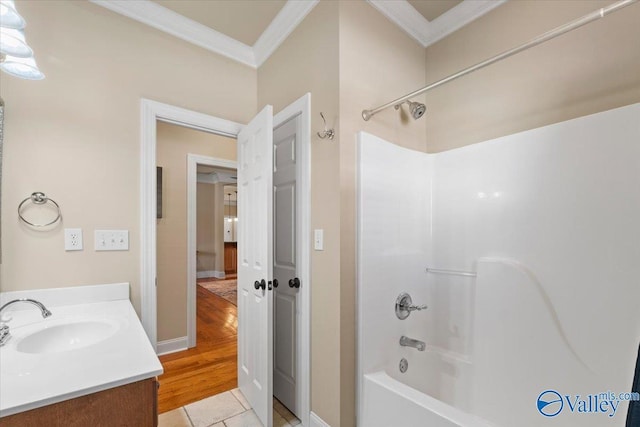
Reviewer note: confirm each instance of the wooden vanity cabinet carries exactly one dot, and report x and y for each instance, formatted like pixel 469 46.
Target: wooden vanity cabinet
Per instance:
pixel 134 404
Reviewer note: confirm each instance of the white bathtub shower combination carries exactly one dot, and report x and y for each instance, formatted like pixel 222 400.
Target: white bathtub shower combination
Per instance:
pixel 533 242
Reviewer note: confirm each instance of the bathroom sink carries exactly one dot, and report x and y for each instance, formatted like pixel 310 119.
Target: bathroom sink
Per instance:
pixel 67 336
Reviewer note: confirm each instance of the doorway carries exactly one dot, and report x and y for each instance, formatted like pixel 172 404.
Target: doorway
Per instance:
pixel 205 259
pixel 180 152
pixel 231 231
pixel 194 311
pixel 152 111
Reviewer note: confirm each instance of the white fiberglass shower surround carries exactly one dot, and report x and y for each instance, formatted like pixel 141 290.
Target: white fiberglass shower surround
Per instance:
pixel 526 251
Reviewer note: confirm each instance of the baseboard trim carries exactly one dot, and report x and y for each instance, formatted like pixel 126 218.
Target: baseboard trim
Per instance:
pixel 172 346
pixel 210 273
pixel 316 421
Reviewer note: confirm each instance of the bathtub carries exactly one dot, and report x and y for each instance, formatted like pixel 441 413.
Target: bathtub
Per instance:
pixel 510 262
pixel 443 375
pixel 389 403
pixel 435 391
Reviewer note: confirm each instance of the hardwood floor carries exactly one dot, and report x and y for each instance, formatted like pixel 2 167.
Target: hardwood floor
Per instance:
pixel 210 367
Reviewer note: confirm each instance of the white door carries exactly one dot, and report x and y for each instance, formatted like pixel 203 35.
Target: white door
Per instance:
pixel 284 265
pixel 255 264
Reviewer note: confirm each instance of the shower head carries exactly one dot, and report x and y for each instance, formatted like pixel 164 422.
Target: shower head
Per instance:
pixel 417 109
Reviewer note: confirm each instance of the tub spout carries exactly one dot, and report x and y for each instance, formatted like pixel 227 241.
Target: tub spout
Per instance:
pixel 410 342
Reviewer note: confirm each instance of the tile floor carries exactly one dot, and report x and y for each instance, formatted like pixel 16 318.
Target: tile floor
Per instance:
pixel 228 409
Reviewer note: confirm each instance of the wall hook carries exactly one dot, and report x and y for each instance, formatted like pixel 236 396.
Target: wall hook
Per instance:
pixel 327 133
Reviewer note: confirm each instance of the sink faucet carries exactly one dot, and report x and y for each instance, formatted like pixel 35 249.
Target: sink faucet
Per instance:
pixel 5 334
pixel 410 342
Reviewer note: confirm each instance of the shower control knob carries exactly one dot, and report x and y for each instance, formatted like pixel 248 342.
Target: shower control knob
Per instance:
pixel 294 283
pixel 404 306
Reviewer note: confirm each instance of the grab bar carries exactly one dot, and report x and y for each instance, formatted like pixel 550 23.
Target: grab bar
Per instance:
pixel 451 272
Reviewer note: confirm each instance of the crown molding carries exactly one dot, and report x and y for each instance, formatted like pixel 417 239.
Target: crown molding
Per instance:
pixel 293 12
pixel 168 21
pixel 405 16
pixel 459 16
pixel 428 32
pixel 291 15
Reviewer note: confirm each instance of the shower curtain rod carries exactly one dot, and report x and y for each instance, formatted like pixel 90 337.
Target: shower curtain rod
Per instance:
pixel 558 31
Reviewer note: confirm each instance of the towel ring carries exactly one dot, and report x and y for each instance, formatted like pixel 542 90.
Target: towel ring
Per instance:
pixel 39 198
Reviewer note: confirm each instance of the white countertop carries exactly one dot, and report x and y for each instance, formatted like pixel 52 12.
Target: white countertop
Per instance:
pixel 29 380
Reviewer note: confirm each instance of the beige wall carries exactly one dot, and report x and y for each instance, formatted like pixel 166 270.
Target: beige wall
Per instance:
pixel 219 220
pixel 173 144
pixel 378 62
pixel 211 216
pixel 206 227
pixel 213 250
pixel 308 62
pixel 210 228
pixel 76 134
pixel 591 69
pixel 349 57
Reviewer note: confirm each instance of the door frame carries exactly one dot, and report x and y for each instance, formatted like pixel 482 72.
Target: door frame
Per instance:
pixel 152 111
pixel 193 160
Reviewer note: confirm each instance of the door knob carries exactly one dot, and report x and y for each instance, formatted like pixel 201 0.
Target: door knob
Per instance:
pixel 261 284
pixel 294 283
pixel 275 283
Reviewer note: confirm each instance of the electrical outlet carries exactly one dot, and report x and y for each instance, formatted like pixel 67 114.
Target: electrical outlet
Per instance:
pixel 73 239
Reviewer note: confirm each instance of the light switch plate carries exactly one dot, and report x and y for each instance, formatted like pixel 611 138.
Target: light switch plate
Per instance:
pixel 318 240
pixel 111 240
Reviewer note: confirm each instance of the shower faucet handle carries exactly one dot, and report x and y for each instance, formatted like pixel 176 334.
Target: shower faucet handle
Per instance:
pixel 404 306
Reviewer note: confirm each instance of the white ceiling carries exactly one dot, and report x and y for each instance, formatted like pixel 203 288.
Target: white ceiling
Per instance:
pixel 249 31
